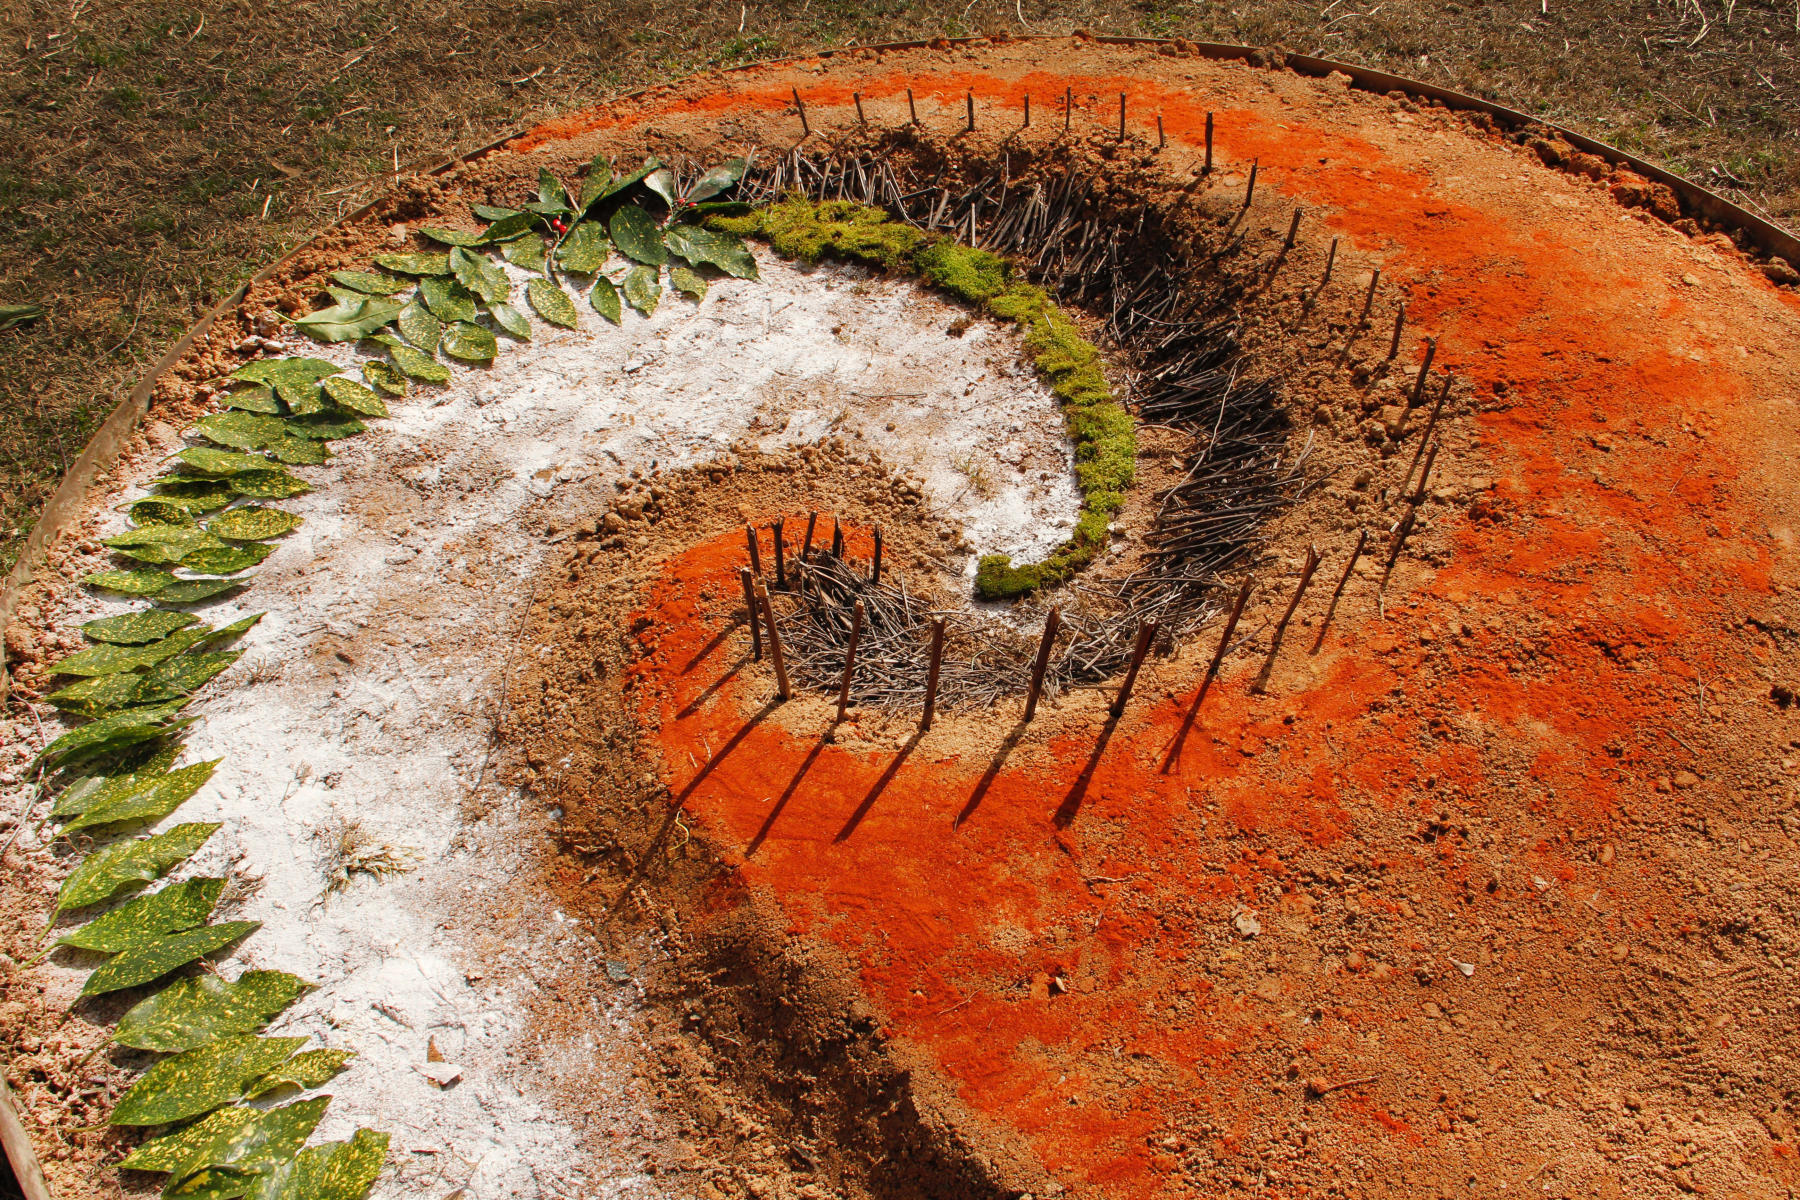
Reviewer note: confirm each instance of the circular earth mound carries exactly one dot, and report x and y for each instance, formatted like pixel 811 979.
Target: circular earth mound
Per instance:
pixel 1402 801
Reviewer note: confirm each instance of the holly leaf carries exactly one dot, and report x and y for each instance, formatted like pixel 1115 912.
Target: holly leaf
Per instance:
pixel 295 380
pixel 448 237
pixel 470 342
pixel 192 1012
pixel 721 178
pixel 305 1070
pixel 134 629
pixel 642 291
pixel 252 523
pixel 353 396
pixel 512 320
pixel 447 300
pixel 111 869
pixel 636 235
pixel 240 430
pixel 529 253
pixel 415 263
pixel 346 322
pixel 722 250
pixel 585 250
pixel 176 907
pixel 160 955
pixel 249 1141
pixel 605 299
pixel 153 800
pixel 371 282
pixel 684 278
pixel 199 1080
pixel 384 376
pixel 551 303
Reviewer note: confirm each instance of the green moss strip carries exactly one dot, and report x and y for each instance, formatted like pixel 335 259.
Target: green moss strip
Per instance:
pixel 1105 439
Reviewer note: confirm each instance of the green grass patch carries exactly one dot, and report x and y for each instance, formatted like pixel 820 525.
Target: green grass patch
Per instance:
pixel 1104 435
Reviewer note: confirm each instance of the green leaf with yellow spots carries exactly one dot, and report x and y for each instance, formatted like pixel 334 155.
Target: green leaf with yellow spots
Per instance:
pixel 352 396
pixel 199 1080
pixel 249 1141
pixel 159 955
pixel 152 801
pixel 110 869
pixel 134 629
pixel 192 1012
pixel 252 523
pixel 176 907
pixel 307 1070
pixel 551 303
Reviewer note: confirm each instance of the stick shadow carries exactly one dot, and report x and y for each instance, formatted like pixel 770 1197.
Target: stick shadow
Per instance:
pixel 887 777
pixel 787 794
pixel 711 689
pixel 1071 805
pixel 1007 745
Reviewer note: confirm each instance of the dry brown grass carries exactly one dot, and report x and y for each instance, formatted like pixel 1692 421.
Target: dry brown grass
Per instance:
pixel 153 154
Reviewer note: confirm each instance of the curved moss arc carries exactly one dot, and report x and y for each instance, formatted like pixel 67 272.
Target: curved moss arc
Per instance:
pixel 1103 432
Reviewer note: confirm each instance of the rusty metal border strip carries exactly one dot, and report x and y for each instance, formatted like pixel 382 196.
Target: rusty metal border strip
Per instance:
pixel 108 442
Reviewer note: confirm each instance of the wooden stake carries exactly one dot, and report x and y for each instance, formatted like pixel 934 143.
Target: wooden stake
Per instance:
pixel 875 569
pixel 1399 324
pixel 780 557
pixel 1425 437
pixel 1418 497
pixel 911 108
pixel 1369 300
pixel 1068 107
pixel 837 538
pixel 1293 232
pixel 860 119
pixel 805 129
pixel 755 551
pixel 1121 116
pixel 1362 540
pixel 1145 635
pixel 755 618
pixel 1306 574
pixel 856 620
pixel 971 99
pixel 1250 188
pixel 1330 258
pixel 781 675
pixel 1418 392
pixel 1207 168
pixel 1161 141
pixel 931 679
pixel 1038 666
pixel 1237 610
pixel 1028 110
pixel 806 550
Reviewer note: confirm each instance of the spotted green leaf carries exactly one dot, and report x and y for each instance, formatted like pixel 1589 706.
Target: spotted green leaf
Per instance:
pixel 192 1012
pixel 447 300
pixel 492 212
pixel 605 299
pixel 193 591
pixel 684 278
pixel 353 396
pixel 593 184
pixel 134 629
pixel 333 1171
pixel 347 321
pixel 110 659
pixel 152 511
pixel 158 956
pixel 642 291
pixel 111 869
pixel 256 398
pixel 203 460
pixel 514 322
pixel 227 634
pixel 415 263
pixel 194 495
pixel 450 237
pixel 325 427
pixel 623 183
pixel 153 800
pixel 184 673
pixel 722 250
pixel 372 283
pixel 471 343
pixel 635 234
pixel 551 303
pixel 585 249
pixel 176 907
pixel 227 560
pixel 419 365
pixel 308 1069
pixel 294 379
pixel 98 695
pixel 240 430
pixel 298 452
pixel 416 323
pixel 92 790
pixel 384 377
pixel 129 583
pixel 508 227
pixel 721 178
pixel 252 523
pixel 249 1141
pixel 268 485
pixel 112 735
pixel 528 253
pixel 480 276
pixel 162 543
pixel 199 1080
pixel 662 182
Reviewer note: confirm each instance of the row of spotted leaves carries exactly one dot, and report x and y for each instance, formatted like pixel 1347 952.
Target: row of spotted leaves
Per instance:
pixel 208 517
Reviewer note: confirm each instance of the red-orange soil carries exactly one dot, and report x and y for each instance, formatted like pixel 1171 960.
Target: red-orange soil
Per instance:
pixel 1493 893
